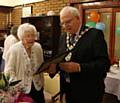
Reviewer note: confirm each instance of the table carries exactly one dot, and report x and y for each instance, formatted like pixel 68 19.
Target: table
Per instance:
pixel 112 84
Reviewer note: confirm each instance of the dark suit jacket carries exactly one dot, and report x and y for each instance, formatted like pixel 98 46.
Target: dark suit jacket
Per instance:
pixel 91 53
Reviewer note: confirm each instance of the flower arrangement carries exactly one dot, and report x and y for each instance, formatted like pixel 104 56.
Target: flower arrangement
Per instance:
pixel 10 93
pixel 7 90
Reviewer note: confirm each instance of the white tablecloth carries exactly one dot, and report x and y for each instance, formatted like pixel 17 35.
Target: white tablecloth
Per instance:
pixel 112 83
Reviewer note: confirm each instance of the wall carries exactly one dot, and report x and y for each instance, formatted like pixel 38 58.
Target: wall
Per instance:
pixel 38 8
pixel 4 17
pixel 4 21
pixel 12 15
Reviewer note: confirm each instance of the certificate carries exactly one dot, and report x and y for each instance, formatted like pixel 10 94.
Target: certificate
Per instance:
pixel 56 59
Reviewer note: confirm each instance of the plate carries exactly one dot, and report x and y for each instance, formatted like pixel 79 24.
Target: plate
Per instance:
pixel 114 70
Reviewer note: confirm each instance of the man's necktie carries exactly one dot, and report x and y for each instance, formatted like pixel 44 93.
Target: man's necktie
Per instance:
pixel 72 38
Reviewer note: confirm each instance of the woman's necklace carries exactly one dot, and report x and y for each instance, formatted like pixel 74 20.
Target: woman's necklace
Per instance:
pixel 70 45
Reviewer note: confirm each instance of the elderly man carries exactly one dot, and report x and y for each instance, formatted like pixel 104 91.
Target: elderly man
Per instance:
pixel 84 69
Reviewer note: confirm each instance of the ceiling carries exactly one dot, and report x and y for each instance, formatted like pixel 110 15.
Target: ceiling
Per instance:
pixel 16 2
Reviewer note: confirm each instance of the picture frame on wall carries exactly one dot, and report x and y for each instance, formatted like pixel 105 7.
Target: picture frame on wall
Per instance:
pixel 26 11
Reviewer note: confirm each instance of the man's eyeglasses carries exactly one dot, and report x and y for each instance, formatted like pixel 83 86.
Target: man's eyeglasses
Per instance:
pixel 68 22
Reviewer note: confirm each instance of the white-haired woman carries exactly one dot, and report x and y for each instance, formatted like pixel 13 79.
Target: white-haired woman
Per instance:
pixel 22 61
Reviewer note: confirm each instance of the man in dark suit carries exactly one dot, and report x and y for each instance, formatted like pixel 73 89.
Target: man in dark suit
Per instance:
pixel 84 69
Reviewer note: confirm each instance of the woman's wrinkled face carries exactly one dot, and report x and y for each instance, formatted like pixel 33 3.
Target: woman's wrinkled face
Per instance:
pixel 29 39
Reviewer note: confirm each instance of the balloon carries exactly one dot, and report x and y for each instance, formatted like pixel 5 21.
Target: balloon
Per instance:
pixel 118 30
pixel 91 24
pixel 100 26
pixel 94 16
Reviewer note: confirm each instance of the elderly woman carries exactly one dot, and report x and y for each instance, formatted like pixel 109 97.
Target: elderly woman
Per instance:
pixel 22 61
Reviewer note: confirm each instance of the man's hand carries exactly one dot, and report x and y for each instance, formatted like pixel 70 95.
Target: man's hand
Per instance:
pixel 70 67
